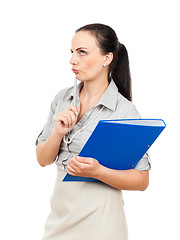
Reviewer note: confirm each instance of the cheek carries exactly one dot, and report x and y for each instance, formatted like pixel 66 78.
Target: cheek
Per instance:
pixel 89 63
pixel 93 64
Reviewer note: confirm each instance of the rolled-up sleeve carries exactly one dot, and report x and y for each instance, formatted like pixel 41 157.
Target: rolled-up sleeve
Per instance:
pixel 145 162
pixel 45 133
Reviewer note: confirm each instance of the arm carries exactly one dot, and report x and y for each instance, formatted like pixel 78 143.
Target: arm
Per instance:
pixel 124 179
pixel 121 179
pixel 47 151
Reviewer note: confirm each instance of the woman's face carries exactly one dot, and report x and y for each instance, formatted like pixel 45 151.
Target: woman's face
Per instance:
pixel 87 61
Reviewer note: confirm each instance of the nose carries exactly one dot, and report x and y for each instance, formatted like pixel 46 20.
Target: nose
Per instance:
pixel 73 60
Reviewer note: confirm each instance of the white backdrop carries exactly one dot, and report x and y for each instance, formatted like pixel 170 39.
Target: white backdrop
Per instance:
pixel 35 46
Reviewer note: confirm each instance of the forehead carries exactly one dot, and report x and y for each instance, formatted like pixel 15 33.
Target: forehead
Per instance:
pixel 84 39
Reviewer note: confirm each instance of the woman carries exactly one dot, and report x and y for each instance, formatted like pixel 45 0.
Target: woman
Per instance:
pixel 89 210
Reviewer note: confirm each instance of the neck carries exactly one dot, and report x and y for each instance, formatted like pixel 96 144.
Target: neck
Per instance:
pixel 93 90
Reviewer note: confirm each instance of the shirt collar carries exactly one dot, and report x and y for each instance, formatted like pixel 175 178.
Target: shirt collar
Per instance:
pixel 71 92
pixel 108 99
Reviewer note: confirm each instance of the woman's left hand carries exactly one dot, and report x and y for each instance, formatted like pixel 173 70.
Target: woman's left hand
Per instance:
pixel 83 166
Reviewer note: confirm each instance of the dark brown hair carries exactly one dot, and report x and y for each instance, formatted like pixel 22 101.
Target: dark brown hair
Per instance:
pixel 119 68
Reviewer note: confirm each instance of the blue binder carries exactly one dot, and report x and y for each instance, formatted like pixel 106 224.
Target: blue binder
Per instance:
pixel 120 144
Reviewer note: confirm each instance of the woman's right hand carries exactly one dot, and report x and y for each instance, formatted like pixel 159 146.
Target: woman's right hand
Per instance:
pixel 66 120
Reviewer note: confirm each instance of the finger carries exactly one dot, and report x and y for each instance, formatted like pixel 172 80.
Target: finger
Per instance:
pixel 70 170
pixel 84 160
pixel 73 117
pixel 73 165
pixel 67 117
pixel 78 165
pixel 74 109
pixel 63 119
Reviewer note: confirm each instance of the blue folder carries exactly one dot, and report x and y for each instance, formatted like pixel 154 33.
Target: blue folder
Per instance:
pixel 120 144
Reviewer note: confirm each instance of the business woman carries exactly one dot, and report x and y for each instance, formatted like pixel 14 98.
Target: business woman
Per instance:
pixel 90 210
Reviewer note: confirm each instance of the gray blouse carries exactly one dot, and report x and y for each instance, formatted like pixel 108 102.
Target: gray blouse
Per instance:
pixel 115 107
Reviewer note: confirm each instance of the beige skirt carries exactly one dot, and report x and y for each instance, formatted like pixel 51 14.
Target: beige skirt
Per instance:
pixel 85 211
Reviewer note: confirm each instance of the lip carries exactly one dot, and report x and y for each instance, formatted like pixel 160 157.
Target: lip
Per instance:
pixel 75 71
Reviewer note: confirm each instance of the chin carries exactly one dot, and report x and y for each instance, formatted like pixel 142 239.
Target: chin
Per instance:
pixel 81 78
pixel 84 78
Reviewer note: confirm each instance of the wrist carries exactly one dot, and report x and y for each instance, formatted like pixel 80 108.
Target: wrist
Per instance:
pixel 100 172
pixel 57 135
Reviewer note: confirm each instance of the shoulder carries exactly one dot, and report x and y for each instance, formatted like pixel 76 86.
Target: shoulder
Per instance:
pixel 61 98
pixel 62 94
pixel 126 107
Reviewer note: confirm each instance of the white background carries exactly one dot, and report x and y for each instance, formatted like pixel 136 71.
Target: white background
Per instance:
pixel 35 47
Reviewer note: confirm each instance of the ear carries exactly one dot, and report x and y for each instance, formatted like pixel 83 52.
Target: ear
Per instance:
pixel 108 59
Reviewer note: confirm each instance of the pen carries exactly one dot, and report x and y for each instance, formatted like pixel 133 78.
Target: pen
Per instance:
pixel 75 86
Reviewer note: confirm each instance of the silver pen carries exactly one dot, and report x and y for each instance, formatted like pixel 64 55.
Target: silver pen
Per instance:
pixel 75 87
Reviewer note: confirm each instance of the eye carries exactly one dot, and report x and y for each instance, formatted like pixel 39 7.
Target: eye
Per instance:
pixel 82 53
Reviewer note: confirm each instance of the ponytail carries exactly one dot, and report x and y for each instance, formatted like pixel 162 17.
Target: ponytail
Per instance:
pixel 119 71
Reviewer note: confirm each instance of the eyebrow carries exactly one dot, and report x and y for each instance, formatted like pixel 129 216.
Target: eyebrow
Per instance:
pixel 79 48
